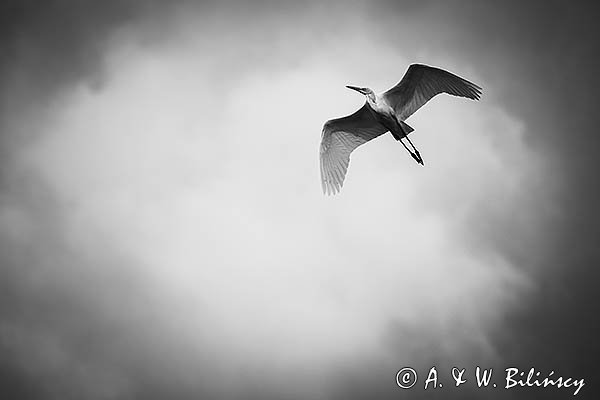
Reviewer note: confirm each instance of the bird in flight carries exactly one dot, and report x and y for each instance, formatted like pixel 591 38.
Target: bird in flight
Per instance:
pixel 382 113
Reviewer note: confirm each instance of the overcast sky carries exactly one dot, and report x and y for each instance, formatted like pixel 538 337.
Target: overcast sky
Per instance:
pixel 163 233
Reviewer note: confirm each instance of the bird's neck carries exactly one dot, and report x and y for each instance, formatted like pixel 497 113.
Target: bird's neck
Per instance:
pixel 379 104
pixel 371 99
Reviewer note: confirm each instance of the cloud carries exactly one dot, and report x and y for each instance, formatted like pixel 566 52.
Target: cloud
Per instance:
pixel 164 230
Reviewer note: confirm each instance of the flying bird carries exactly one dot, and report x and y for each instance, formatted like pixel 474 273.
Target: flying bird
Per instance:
pixel 382 113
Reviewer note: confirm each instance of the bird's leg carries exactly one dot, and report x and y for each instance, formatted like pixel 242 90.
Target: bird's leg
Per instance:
pixel 406 129
pixel 415 156
pixel 420 159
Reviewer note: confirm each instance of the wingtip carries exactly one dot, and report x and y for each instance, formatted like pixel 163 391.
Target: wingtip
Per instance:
pixel 329 188
pixel 478 90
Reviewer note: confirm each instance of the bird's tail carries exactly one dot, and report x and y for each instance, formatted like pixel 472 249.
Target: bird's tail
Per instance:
pixel 405 129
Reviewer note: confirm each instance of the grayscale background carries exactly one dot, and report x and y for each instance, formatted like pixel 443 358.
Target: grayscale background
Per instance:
pixel 162 228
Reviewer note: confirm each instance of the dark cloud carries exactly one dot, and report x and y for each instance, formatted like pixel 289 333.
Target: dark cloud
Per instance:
pixel 540 59
pixel 46 47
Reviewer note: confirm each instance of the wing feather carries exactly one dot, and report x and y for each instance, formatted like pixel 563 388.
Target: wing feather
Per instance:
pixel 421 83
pixel 339 138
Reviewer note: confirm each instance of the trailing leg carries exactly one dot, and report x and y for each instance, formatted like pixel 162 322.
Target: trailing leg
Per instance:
pixel 416 157
pixel 420 160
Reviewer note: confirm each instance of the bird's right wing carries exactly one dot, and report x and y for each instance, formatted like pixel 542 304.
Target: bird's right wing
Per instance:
pixel 421 83
pixel 339 138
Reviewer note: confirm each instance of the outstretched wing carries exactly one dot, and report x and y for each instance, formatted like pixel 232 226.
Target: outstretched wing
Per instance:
pixel 421 83
pixel 339 138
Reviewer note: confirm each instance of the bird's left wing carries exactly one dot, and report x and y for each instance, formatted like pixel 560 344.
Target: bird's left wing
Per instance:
pixel 421 83
pixel 339 138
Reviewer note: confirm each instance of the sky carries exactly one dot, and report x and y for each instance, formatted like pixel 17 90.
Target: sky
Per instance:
pixel 163 233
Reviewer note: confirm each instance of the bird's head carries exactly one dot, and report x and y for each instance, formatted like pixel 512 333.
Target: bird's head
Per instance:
pixel 363 90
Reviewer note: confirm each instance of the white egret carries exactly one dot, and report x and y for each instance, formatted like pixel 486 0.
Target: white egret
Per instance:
pixel 382 113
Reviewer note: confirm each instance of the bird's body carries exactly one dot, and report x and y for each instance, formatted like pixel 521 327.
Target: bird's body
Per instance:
pixel 381 109
pixel 382 113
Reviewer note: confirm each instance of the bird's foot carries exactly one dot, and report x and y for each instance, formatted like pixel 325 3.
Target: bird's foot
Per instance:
pixel 420 159
pixel 417 158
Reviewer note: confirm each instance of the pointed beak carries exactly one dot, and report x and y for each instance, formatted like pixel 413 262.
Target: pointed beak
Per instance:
pixel 359 90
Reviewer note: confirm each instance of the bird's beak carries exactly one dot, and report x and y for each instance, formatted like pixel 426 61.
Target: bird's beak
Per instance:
pixel 359 90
